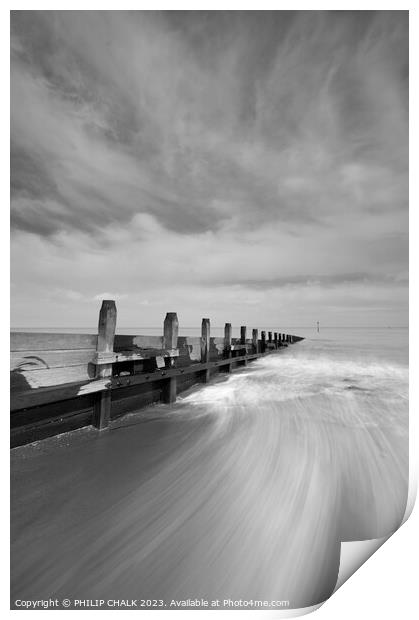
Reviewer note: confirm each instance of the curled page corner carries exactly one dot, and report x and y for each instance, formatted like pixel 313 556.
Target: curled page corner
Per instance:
pixel 354 554
pixel 270 614
pixel 413 490
pixel 294 613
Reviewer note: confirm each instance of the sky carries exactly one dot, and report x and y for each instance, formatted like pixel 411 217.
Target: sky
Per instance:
pixel 250 167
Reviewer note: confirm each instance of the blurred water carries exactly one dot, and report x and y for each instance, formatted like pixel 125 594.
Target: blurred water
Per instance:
pixel 244 489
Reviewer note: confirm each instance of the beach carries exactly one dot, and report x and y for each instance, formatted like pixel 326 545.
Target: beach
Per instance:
pixel 244 489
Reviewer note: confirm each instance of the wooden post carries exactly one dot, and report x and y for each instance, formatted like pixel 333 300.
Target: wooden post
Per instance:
pixel 255 340
pixel 276 339
pixel 243 334
pixel 269 337
pixel 243 341
pixel 170 331
pixel 227 344
pixel 205 347
pixel 105 339
pixel 170 336
pixel 263 338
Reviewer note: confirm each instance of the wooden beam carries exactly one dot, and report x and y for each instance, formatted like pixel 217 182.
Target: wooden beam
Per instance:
pixel 205 347
pixel 169 390
pixel 263 343
pixel 163 375
pixel 243 334
pixel 105 341
pixel 56 393
pixel 170 331
pixel 227 336
pixel 255 340
pixel 37 360
pixel 170 336
pixel 243 339
pixel 242 347
pixel 227 344
pixel 131 356
pixel 124 342
pixel 27 341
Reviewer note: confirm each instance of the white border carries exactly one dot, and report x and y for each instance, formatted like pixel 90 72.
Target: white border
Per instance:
pixel 385 587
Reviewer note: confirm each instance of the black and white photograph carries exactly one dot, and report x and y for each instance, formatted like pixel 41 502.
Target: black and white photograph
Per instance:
pixel 209 305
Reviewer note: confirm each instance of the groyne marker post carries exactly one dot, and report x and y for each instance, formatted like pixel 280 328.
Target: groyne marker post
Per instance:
pixel 255 340
pixel 205 348
pixel 276 339
pixel 227 344
pixel 104 348
pixel 270 337
pixel 170 336
pixel 263 343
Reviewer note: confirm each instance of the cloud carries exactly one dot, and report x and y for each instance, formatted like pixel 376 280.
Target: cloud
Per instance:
pixel 168 150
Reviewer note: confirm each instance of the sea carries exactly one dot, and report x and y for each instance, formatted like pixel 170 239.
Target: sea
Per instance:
pixel 243 490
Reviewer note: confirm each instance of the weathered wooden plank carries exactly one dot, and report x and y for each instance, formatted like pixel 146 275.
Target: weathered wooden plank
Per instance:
pixel 56 393
pixel 242 347
pixel 50 427
pixel 218 341
pixel 194 345
pixel 28 341
pixel 131 356
pixel 163 375
pixel 37 360
pixel 125 343
pixel 45 412
pixel 238 341
pixel 22 380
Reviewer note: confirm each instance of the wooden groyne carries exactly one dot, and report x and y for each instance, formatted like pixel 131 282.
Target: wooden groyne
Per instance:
pixel 60 382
